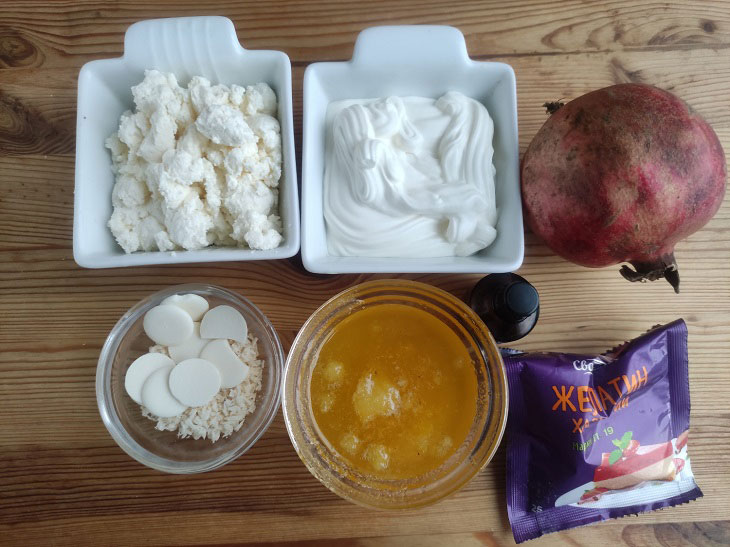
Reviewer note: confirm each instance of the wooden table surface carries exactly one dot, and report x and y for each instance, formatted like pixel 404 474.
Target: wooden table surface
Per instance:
pixel 63 480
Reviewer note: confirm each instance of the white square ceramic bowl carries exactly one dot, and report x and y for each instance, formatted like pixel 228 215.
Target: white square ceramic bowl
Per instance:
pixel 423 61
pixel 186 46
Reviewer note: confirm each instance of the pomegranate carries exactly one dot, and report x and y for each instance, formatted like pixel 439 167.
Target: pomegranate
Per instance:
pixel 622 174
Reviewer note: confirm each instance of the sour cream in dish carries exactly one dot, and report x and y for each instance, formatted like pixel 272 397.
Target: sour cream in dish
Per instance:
pixel 409 177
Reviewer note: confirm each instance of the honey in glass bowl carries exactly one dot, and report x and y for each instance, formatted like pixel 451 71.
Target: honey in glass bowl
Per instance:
pixel 394 394
pixel 394 391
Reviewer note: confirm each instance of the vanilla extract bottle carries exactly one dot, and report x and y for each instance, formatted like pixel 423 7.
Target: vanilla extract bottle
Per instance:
pixel 508 304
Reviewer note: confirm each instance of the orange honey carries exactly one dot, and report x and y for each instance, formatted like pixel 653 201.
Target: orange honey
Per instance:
pixel 394 391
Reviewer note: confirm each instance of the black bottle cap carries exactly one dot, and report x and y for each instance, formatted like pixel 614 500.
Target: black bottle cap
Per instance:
pixel 507 303
pixel 521 300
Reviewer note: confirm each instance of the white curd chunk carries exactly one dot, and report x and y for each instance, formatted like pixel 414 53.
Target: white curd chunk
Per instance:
pixel 230 367
pixel 196 167
pixel 156 395
pixel 378 456
pixel 190 348
pixel 194 304
pixel 168 325
pixel 140 370
pixel 224 322
pixel 195 382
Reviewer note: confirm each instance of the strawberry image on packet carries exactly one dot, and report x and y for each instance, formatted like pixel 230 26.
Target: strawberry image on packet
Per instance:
pixel 592 437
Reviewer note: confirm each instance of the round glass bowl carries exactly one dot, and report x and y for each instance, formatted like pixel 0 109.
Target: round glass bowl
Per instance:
pixel 333 470
pixel 163 450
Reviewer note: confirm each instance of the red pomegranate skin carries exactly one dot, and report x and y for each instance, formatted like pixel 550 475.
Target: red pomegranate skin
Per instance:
pixel 622 174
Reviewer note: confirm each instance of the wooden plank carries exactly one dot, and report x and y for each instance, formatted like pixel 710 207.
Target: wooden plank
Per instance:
pixel 700 534
pixel 703 534
pixel 338 521
pixel 40 293
pixel 36 34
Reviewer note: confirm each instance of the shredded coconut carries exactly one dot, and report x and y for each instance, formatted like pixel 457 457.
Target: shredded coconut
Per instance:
pixel 227 411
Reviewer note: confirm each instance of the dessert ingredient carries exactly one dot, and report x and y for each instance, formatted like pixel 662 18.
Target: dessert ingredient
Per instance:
pixel 394 390
pixel 168 325
pixel 140 370
pixel 156 394
pixel 196 167
pixel 227 412
pixel 375 396
pixel 203 396
pixel 194 382
pixel 409 177
pixel 350 443
pixel 190 348
pixel 377 456
pixel 224 322
pixel 593 437
pixel 232 371
pixel 194 304
pixel 621 175
pixel 507 304
pixel 334 372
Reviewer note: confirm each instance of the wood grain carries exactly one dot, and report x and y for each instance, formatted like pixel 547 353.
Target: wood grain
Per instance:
pixel 703 534
pixel 35 34
pixel 63 479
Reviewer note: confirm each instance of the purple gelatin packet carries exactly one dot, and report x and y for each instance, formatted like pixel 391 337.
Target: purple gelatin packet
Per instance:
pixel 598 437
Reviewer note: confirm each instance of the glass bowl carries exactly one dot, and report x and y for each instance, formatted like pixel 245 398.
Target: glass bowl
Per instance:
pixel 333 470
pixel 163 450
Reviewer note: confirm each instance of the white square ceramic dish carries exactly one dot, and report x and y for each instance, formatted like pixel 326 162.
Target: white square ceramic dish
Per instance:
pixel 187 46
pixel 424 61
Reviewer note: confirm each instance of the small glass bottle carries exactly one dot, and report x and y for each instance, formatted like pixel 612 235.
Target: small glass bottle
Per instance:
pixel 507 304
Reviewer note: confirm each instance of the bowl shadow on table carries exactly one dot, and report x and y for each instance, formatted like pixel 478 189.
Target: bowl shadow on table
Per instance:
pixel 497 493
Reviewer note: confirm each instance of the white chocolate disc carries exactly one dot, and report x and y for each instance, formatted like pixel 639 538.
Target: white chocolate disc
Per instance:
pixel 232 370
pixel 156 395
pixel 140 370
pixel 190 348
pixel 224 322
pixel 194 304
pixel 168 325
pixel 195 382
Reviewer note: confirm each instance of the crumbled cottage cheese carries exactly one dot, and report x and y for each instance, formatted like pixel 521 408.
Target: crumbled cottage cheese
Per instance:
pixel 196 167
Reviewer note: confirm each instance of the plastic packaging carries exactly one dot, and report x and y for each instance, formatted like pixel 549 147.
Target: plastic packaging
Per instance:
pixel 598 437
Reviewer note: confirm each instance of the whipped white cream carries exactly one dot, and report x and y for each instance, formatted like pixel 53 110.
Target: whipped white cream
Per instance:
pixel 409 177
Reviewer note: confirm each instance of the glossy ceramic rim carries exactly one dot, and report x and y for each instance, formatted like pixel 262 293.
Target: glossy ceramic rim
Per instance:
pixel 104 397
pixel 330 468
